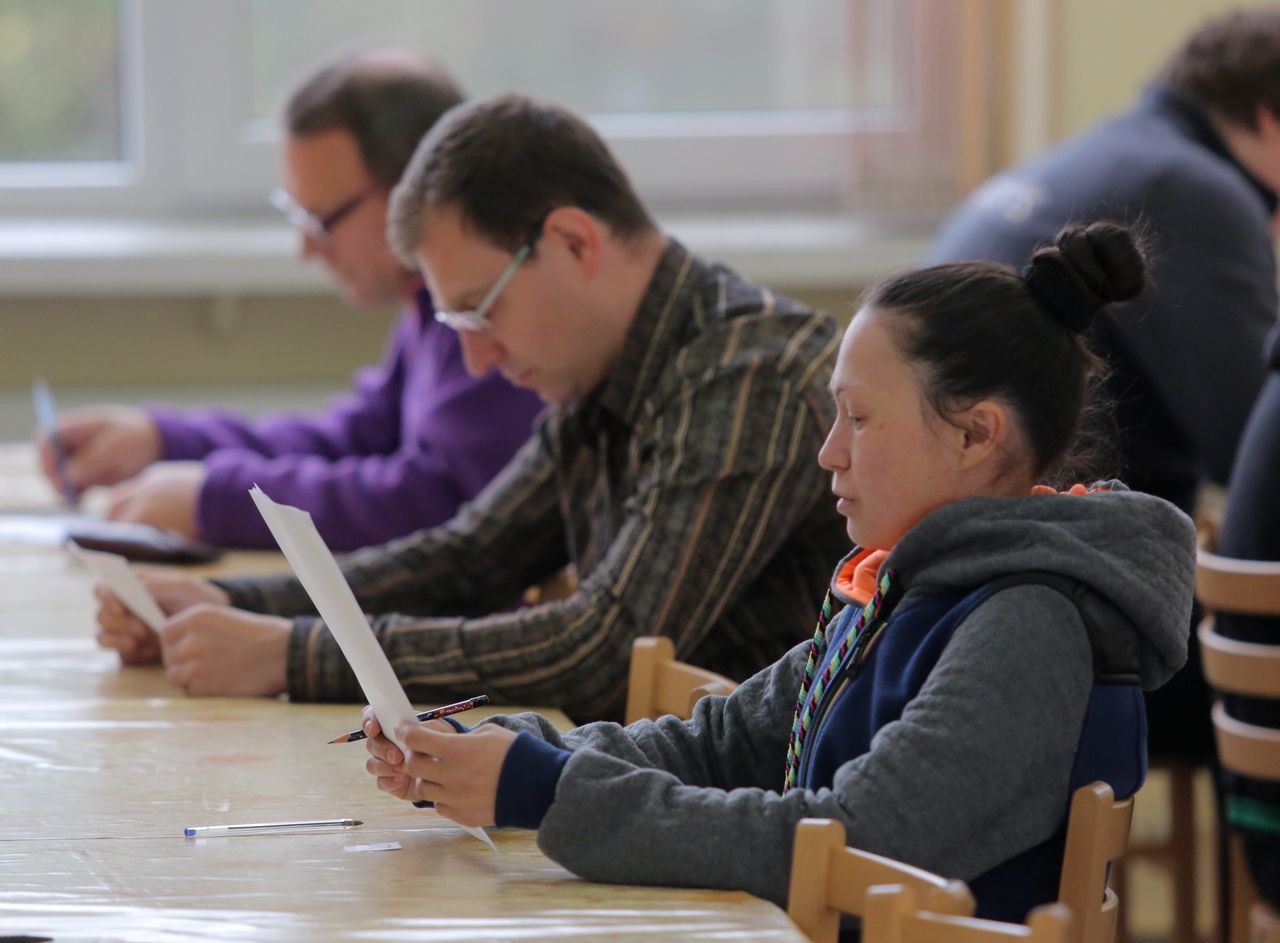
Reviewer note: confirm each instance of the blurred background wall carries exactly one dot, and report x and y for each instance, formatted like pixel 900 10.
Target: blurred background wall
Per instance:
pixel 1039 69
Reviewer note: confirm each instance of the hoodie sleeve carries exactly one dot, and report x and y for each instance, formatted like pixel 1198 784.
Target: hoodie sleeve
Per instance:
pixel 975 771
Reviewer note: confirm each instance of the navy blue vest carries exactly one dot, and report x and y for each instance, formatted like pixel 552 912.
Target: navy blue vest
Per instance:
pixel 1113 737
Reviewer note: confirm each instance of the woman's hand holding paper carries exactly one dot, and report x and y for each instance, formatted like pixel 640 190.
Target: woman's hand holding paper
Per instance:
pixel 458 772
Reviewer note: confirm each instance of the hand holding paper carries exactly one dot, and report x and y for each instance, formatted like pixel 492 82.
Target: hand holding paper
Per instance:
pixel 114 571
pixel 320 576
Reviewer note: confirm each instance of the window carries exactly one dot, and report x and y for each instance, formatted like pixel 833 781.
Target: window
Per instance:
pixel 60 64
pixel 762 105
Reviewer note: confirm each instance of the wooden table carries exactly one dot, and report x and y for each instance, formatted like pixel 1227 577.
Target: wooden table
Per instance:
pixel 102 767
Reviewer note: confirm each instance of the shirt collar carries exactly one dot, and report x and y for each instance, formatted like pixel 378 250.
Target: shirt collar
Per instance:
pixel 1197 126
pixel 653 337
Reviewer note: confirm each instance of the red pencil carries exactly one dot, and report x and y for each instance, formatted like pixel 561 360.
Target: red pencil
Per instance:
pixel 432 714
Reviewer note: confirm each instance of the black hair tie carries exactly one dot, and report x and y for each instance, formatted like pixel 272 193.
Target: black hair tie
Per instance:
pixel 1060 294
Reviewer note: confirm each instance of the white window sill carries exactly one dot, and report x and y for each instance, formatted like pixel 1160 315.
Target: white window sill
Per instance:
pixel 229 258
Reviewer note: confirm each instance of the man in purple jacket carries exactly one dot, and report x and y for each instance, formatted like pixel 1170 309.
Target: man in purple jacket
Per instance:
pixel 417 436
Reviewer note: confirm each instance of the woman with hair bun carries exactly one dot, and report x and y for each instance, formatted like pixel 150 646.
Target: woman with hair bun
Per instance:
pixel 981 652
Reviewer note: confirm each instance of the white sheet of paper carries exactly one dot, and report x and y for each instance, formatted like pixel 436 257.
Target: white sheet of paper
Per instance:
pixel 114 570
pixel 318 571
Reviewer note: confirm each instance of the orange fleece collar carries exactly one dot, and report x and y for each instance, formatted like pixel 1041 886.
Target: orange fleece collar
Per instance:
pixel 857 577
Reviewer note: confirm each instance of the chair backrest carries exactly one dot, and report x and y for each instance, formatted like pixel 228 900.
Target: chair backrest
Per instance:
pixel 829 879
pixel 894 915
pixel 1097 833
pixel 1251 669
pixel 1248 668
pixel 1244 587
pixel 658 684
pixel 1243 668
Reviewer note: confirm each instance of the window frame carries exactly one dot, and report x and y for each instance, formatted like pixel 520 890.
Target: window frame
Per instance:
pixel 190 150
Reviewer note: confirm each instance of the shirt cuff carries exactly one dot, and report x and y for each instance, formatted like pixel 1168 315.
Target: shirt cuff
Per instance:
pixel 527 783
pixel 178 441
pixel 243 593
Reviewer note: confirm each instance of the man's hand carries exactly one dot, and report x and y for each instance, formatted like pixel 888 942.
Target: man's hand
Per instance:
pixel 459 773
pixel 120 629
pixel 104 445
pixel 163 496
pixel 215 650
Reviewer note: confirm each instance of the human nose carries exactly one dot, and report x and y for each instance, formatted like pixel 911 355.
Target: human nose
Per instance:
pixel 480 354
pixel 309 247
pixel 834 454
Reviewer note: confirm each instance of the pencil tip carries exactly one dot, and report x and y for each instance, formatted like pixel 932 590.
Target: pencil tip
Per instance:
pixel 341 739
pixel 356 822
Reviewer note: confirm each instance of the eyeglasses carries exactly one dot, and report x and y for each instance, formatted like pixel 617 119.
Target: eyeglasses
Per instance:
pixel 319 228
pixel 477 318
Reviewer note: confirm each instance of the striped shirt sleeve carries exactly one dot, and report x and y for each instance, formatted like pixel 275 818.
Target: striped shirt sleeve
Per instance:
pixel 494 548
pixel 728 474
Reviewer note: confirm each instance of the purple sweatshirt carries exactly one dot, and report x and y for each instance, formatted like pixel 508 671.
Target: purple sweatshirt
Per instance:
pixel 416 438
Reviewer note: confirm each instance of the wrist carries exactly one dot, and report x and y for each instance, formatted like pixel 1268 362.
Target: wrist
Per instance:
pixel 527 782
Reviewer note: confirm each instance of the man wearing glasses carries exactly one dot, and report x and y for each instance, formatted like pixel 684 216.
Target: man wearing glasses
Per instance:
pixel 674 468
pixel 418 435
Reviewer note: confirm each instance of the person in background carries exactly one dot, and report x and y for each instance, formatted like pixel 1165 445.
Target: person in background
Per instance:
pixel 1251 526
pixel 985 663
pixel 1196 165
pixel 417 436
pixel 673 469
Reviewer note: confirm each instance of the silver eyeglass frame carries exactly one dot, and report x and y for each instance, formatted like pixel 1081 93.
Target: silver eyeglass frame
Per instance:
pixel 476 319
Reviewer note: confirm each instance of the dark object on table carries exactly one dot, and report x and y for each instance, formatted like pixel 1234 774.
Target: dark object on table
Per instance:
pixel 140 542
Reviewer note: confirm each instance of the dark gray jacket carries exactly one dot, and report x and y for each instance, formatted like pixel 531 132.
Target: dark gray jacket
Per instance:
pixel 1188 355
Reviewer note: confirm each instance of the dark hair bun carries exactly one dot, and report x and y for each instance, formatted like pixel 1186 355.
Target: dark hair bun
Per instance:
pixel 1086 269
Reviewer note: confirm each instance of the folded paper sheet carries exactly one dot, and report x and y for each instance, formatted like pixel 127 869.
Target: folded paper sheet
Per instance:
pixel 114 570
pixel 320 576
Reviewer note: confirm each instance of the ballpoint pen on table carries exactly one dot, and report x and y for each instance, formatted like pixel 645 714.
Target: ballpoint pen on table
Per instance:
pixel 432 714
pixel 267 828
pixel 47 417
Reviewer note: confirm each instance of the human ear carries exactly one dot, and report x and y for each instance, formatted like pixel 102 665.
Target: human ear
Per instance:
pixel 580 234
pixel 984 428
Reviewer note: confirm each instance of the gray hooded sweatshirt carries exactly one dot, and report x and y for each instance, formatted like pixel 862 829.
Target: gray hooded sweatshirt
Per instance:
pixel 974 772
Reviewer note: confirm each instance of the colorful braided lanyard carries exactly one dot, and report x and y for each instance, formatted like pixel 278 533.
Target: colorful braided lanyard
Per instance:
pixel 811 691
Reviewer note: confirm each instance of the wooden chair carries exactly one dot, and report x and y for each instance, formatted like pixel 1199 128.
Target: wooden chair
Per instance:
pixel 1243 587
pixel 1097 832
pixel 829 879
pixel 1177 853
pixel 658 684
pixel 893 915
pixel 1248 587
